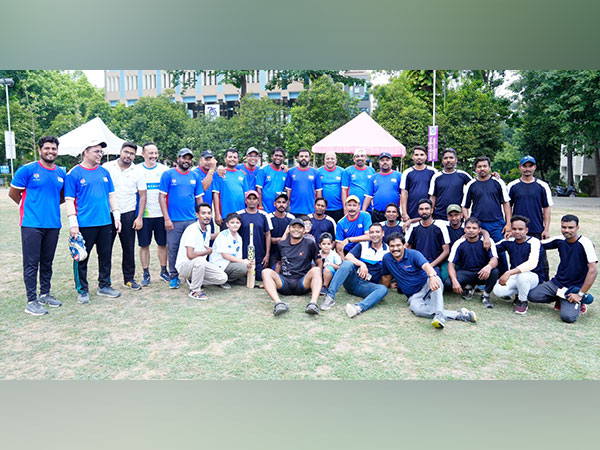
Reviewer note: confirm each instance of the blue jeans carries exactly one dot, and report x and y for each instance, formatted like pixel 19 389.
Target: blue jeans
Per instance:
pixel 371 293
pixel 495 230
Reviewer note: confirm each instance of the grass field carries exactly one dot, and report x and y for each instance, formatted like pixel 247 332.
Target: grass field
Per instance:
pixel 157 333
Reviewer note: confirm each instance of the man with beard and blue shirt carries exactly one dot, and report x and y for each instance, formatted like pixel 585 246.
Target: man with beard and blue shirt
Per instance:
pixel 251 167
pixel 383 189
pixel 415 184
pixel 357 178
pixel 270 180
pixel 229 190
pixel 531 197
pixel 447 187
pixel 38 188
pixel 206 174
pixel 576 273
pixel 331 180
pixel 303 185
pixel 179 192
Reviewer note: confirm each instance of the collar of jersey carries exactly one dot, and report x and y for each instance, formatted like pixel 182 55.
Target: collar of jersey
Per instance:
pixel 276 170
pixel 85 168
pixel 332 170
pixel 182 173
pixel 40 164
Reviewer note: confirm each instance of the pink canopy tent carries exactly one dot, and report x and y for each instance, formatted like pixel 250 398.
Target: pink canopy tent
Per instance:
pixel 360 132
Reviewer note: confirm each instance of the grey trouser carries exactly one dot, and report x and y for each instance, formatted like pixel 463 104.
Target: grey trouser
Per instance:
pixel 173 238
pixel 235 271
pixel 200 272
pixel 546 293
pixel 426 303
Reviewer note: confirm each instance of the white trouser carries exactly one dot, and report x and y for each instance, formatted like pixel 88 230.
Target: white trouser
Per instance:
pixel 520 283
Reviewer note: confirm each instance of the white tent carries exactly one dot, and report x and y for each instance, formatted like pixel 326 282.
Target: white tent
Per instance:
pixel 75 141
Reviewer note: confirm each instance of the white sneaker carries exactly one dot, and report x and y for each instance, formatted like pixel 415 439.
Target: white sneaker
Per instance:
pixel 352 310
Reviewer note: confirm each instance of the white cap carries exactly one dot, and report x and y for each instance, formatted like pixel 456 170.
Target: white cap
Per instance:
pixel 94 142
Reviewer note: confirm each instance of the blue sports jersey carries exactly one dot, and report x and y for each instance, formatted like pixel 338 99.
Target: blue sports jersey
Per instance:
pixel 384 189
pixel 574 259
pixel 318 227
pixel 304 183
pixel 231 190
pixel 455 234
pixel 181 189
pixel 448 189
pixel 471 255
pixel 40 200
pixel 407 272
pixel 428 240
pixel 347 228
pixel 387 230
pixel 262 225
pixel 365 252
pixel 90 188
pixel 250 175
pixel 357 181
pixel 416 184
pixel 528 199
pixel 331 180
pixel 528 251
pixel 201 174
pixel 487 198
pixel 272 182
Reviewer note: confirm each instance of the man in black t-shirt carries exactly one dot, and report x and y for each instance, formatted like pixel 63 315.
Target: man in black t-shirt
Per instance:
pixel 279 221
pixel 294 273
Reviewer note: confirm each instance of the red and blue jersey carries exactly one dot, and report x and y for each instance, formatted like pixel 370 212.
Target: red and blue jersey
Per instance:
pixel 201 174
pixel 272 183
pixel 231 189
pixel 347 228
pixel 181 189
pixel 303 183
pixel 331 180
pixel 90 189
pixel 384 188
pixel 357 181
pixel 250 175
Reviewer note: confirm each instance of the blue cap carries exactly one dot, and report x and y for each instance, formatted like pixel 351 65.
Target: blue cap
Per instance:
pixel 526 159
pixel 385 155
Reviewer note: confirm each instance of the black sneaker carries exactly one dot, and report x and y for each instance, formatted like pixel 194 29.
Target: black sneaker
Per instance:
pixel 35 309
pixel 133 285
pixel 312 309
pixel 279 308
pixel 487 301
pixel 165 276
pixel 467 293
pixel 48 299
pixel 145 279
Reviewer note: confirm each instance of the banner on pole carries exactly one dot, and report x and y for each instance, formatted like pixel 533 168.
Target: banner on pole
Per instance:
pixel 212 111
pixel 9 144
pixel 432 143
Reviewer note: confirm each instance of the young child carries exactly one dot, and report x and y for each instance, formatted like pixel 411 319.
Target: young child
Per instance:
pixel 227 250
pixel 331 260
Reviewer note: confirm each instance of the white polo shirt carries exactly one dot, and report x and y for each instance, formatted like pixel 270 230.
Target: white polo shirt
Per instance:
pixel 127 183
pixel 194 237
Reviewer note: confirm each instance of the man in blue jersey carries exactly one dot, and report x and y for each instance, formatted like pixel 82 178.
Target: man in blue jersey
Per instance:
pixel 357 178
pixel 153 221
pixel 470 264
pixel 488 199
pixel 279 221
pixel 130 187
pixel 303 185
pixel 525 270
pixel 206 172
pixel 179 193
pixel 90 187
pixel 229 190
pixel 353 228
pixel 455 224
pixel 39 189
pixel 360 274
pixel 532 198
pixel 392 223
pixel 270 180
pixel 321 222
pixel 415 184
pixel 447 187
pixel 331 180
pixel 383 189
pixel 251 167
pixel 262 232
pixel 575 275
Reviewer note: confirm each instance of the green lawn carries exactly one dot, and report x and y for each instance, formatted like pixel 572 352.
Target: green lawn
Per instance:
pixel 157 333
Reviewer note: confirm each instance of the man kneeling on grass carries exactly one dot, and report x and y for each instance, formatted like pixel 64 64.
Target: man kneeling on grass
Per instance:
pixel 416 279
pixel 191 261
pixel 294 273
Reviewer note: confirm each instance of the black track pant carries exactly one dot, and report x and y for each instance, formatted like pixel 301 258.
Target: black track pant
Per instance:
pixel 39 246
pixel 127 238
pixel 101 238
pixel 465 277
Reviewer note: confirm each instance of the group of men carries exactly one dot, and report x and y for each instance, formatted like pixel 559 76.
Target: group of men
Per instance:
pixel 418 231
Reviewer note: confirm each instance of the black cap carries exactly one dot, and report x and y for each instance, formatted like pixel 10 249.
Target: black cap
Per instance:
pixel 385 155
pixel 297 221
pixel 282 195
pixel 184 151
pixel 207 154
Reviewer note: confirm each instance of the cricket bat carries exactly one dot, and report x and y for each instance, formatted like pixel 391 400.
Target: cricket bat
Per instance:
pixel 252 258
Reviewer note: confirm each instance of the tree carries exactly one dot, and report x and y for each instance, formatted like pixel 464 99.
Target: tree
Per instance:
pixel 206 134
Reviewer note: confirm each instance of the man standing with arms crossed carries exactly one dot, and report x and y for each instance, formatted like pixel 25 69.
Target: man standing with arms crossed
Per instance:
pixel 184 192
pixel 447 187
pixel 415 184
pixel 153 221
pixel 129 183
pixel 270 181
pixel 331 180
pixel 90 187
pixel 39 189
pixel 303 185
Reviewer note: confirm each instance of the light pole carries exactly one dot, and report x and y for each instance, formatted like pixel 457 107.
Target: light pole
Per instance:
pixel 8 82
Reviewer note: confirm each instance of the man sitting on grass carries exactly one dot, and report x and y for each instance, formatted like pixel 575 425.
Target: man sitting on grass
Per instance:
pixel 294 273
pixel 416 279
pixel 575 275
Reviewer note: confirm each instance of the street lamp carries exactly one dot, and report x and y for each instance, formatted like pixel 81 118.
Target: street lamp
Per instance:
pixel 8 82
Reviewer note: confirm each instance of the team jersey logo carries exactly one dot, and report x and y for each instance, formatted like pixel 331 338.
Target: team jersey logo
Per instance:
pixel 360 225
pixel 311 177
pixel 393 180
pixel 338 178
pixel 105 179
pixel 408 266
pixel 173 182
pixel 82 182
pixel 60 179
pixel 192 181
pixel 36 177
pixel 241 178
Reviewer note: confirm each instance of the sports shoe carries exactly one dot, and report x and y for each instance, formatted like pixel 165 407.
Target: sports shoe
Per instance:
pixel 35 309
pixel 199 295
pixel 279 308
pixel 133 285
pixel 467 293
pixel 327 302
pixel 145 279
pixel 225 286
pixel 48 299
pixel 312 309
pixel 466 316
pixel 583 308
pixel 108 291
pixel 521 307
pixel 323 290
pixel 165 276
pixel 84 298
pixel 352 310
pixel 487 301
pixel 438 321
pixel 174 283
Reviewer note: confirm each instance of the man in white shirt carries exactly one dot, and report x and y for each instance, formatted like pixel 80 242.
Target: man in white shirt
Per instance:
pixel 129 183
pixel 194 247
